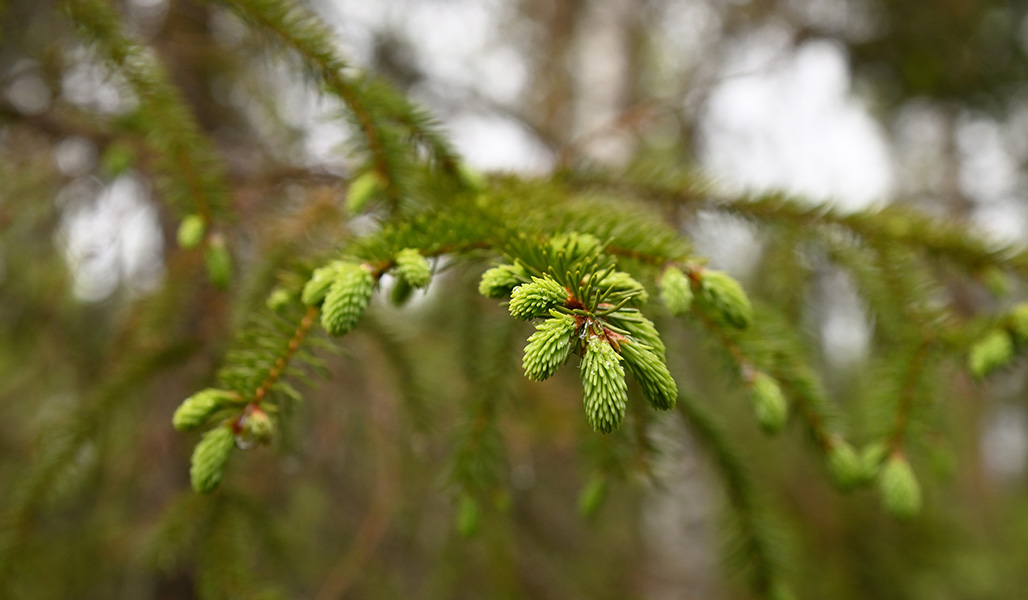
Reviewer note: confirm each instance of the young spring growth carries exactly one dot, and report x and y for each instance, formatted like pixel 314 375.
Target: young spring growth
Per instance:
pixel 210 457
pixel 723 297
pixel 651 371
pixel 257 425
pixel 675 291
pixel 898 486
pixel 549 346
pixel 992 352
pixel 468 515
pixel 413 267
pixel 322 278
pixel 218 262
pixel 362 190
pixel 347 298
pixel 845 465
pixel 499 281
pixel 198 408
pixel 592 496
pixel 619 281
pixel 769 403
pixel 639 328
pixel 278 299
pixel 603 381
pixel 530 300
pixel 574 246
pixel 872 457
pixel 1019 323
pixel 190 231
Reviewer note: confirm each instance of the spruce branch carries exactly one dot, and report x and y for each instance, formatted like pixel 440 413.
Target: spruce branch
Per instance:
pixel 188 164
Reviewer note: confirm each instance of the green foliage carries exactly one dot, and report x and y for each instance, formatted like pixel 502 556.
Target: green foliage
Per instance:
pixel 531 300
pixel 603 382
pixel 347 298
pixel 210 458
pixel 898 486
pixel 197 409
pixel 675 291
pixel 769 403
pixel 549 347
pixel 723 298
pixel 578 252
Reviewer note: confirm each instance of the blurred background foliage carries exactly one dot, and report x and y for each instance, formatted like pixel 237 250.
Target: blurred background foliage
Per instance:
pixel 107 324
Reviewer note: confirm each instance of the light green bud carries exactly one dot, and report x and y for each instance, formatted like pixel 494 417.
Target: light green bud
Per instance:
pixel 499 281
pixel 362 190
pixel 639 327
pixel 676 291
pixel 190 231
pixel 575 246
pixel 218 262
pixel 278 299
pixel 258 426
pixel 321 280
pixel 603 381
pixel 549 346
pixel 210 457
pixel 592 496
pixel 530 300
pixel 413 267
pixel 1019 323
pixel 468 516
pixel 198 408
pixel 347 298
pixel 992 352
pixel 619 281
pixel 723 297
pixel 769 403
pixel 651 371
pixel 898 486
pixel 872 457
pixel 845 465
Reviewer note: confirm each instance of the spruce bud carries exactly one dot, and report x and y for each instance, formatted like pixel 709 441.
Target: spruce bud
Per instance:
pixel 218 262
pixel 258 426
pixel 845 465
pixel 413 267
pixel 592 496
pixel 530 300
pixel 190 231
pixel 499 281
pixel 769 403
pixel 639 327
pixel 196 409
pixel 898 486
pixel 468 516
pixel 619 281
pixel 321 279
pixel 210 457
pixel 872 457
pixel 278 299
pixel 603 381
pixel 362 190
pixel 992 352
pixel 1019 323
pixel 549 346
pixel 675 291
pixel 651 371
pixel 574 246
pixel 347 298
pixel 723 297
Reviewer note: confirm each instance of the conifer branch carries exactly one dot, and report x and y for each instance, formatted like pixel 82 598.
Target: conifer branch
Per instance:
pixel 188 164
pixel 756 548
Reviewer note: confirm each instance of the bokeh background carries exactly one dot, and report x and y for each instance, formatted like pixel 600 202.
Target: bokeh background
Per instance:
pixel 107 325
